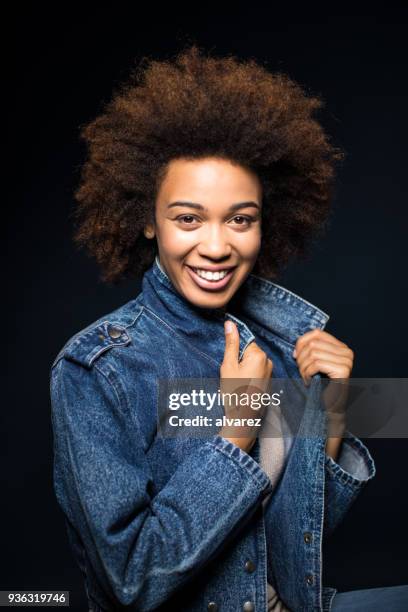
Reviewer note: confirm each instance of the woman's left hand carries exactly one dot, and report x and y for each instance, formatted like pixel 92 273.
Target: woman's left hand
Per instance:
pixel 319 351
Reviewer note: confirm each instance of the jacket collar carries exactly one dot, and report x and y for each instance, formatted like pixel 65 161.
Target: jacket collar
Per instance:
pixel 264 302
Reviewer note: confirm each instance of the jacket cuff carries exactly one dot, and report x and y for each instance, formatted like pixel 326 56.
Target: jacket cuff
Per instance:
pixel 355 465
pixel 244 460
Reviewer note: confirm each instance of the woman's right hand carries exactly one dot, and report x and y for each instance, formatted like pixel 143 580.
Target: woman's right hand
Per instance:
pixel 254 364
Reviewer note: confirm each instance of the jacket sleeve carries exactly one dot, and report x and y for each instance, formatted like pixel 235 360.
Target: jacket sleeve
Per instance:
pixel 345 479
pixel 142 547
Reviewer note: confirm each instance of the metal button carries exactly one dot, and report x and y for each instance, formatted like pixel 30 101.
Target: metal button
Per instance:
pixel 310 579
pixel 248 606
pixel 212 606
pixel 114 332
pixel 307 536
pixel 249 566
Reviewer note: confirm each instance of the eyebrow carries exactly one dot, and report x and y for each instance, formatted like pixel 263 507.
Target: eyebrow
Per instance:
pixel 237 206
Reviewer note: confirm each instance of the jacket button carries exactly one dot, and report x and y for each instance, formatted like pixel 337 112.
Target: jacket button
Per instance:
pixel 114 332
pixel 307 536
pixel 212 606
pixel 310 579
pixel 249 567
pixel 248 606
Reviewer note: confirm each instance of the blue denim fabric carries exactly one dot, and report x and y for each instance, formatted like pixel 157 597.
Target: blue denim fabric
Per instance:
pixel 387 599
pixel 161 524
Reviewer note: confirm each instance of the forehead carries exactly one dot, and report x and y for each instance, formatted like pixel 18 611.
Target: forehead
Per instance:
pixel 207 178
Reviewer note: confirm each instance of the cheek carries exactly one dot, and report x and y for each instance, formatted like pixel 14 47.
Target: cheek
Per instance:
pixel 249 244
pixel 175 242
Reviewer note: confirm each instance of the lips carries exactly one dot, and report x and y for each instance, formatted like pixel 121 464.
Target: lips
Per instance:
pixel 210 285
pixel 212 268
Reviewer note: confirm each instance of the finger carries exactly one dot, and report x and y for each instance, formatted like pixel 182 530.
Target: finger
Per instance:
pixel 325 357
pixel 318 334
pixel 332 369
pixel 231 352
pixel 253 347
pixel 315 346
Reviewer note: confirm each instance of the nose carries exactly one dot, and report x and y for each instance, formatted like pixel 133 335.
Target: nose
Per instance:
pixel 213 243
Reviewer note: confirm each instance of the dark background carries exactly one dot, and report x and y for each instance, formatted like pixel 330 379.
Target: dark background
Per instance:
pixel 61 66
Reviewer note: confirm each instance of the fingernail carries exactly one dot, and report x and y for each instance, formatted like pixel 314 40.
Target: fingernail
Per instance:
pixel 294 353
pixel 228 327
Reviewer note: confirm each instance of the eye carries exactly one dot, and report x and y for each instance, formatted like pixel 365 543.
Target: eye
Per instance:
pixel 245 220
pixel 180 217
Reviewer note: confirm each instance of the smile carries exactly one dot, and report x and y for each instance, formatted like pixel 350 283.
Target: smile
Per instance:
pixel 212 276
pixel 210 280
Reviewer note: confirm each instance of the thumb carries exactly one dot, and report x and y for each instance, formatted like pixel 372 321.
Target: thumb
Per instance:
pixel 231 353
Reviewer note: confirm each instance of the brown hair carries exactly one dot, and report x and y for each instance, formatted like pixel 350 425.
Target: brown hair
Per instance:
pixel 191 107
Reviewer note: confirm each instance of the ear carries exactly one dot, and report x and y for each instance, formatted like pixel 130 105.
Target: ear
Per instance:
pixel 149 231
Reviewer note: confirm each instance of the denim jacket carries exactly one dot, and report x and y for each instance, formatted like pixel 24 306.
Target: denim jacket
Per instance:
pixel 161 524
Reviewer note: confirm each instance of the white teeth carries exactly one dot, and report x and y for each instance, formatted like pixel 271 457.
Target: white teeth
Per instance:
pixel 212 276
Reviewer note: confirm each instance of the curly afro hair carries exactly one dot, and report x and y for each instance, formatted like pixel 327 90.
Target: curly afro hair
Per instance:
pixel 192 107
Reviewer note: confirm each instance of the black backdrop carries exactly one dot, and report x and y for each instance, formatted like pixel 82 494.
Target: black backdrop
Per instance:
pixel 62 64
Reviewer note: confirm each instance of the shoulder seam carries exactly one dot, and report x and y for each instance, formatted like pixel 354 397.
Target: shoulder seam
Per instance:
pixel 77 340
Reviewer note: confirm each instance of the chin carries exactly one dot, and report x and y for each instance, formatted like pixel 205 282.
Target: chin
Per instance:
pixel 207 301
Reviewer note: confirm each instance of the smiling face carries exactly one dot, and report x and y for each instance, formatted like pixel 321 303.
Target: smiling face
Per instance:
pixel 208 228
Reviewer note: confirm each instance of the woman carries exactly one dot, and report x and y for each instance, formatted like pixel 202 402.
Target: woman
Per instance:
pixel 206 175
